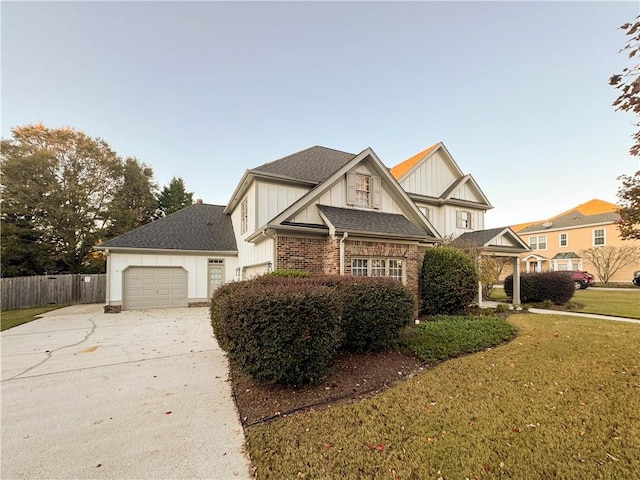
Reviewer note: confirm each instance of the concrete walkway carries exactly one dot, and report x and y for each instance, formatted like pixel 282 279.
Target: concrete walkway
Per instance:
pixel 136 395
pixel 492 304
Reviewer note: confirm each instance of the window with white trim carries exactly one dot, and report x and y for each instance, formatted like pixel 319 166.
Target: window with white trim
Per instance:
pixel 599 238
pixel 377 267
pixel 244 216
pixel 564 239
pixel 427 212
pixel 464 219
pixel 363 190
pixel 538 243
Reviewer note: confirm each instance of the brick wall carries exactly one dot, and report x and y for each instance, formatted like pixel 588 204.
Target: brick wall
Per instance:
pixel 301 253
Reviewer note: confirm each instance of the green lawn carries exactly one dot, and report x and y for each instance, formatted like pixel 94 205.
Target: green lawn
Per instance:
pixel 619 303
pixel 562 400
pixel 12 318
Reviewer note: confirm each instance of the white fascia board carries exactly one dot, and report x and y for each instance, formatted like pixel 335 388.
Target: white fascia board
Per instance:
pixel 169 251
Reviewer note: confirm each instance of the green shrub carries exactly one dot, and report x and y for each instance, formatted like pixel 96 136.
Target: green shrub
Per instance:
pixel 374 310
pixel 449 281
pixel 451 336
pixel 286 333
pixel 291 273
pixel 218 310
pixel 502 308
pixel 556 287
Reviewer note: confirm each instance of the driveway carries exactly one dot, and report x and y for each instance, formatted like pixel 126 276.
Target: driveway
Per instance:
pixel 135 395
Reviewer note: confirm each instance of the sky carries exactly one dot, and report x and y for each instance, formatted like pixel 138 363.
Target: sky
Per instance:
pixel 517 91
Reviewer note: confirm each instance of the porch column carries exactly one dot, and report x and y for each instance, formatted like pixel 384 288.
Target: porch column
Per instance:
pixel 538 266
pixel 516 282
pixel 480 293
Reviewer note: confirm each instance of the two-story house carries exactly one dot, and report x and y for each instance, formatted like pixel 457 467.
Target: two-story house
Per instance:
pixel 321 210
pixel 557 243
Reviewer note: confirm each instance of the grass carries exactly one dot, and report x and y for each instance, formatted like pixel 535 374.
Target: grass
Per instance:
pixel 13 318
pixel 449 337
pixel 619 303
pixel 562 400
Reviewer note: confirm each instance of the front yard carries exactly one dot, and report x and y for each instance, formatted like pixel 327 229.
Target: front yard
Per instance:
pixel 562 400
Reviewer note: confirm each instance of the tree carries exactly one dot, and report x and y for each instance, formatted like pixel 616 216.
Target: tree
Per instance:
pixel 135 200
pixel 629 201
pixel 59 189
pixel 173 197
pixel 607 260
pixel 628 82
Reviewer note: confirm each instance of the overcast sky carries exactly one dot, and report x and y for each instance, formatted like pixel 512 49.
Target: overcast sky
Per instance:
pixel 517 91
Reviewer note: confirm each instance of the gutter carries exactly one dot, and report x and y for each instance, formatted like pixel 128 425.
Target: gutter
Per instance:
pixel 345 235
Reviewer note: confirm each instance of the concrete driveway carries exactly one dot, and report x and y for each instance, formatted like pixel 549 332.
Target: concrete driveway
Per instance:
pixel 135 395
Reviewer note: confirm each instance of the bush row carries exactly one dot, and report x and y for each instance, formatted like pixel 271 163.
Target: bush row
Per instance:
pixel 287 329
pixel 538 287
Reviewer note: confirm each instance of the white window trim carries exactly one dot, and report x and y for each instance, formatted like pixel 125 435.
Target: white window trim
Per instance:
pixel 374 192
pixel 387 260
pixel 604 237
pixel 459 219
pixel 244 216
pixel 560 240
pixel 537 242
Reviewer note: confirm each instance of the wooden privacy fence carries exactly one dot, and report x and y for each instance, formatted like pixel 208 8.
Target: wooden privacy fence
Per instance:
pixel 42 290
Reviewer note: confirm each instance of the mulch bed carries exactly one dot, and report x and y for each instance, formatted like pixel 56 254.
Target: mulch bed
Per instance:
pixel 352 378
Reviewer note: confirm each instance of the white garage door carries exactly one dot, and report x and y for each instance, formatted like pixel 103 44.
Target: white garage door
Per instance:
pixel 154 287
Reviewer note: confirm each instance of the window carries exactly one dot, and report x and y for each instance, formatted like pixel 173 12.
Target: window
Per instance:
pixel 538 243
pixel 359 267
pixel 377 267
pixel 564 239
pixel 463 219
pixel 363 186
pixel 427 212
pixel 363 190
pixel 244 216
pixel 598 237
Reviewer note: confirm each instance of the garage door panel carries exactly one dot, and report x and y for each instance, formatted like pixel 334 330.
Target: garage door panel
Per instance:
pixel 154 287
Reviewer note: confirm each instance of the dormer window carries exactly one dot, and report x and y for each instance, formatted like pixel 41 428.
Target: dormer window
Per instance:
pixel 363 190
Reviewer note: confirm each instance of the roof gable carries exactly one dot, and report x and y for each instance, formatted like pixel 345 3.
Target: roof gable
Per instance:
pixel 199 227
pixel 494 238
pixel 401 170
pixel 403 167
pixel 411 210
pixel 455 191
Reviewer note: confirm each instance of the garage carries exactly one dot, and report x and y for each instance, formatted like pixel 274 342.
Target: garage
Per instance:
pixel 154 287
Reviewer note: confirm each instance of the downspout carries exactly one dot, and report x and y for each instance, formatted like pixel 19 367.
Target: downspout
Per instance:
pixel 108 289
pixel 345 235
pixel 273 237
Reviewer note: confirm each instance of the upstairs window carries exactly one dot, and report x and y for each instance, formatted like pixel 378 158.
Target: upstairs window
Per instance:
pixel 538 243
pixel 464 219
pixel 599 237
pixel 564 239
pixel 363 190
pixel 244 216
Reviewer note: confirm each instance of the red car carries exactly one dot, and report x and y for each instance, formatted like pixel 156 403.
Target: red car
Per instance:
pixel 581 280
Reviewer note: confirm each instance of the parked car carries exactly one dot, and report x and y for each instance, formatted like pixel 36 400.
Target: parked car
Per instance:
pixel 581 279
pixel 636 278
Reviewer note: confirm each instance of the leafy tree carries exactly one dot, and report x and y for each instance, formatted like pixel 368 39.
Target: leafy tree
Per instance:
pixel 59 189
pixel 173 197
pixel 135 201
pixel 628 82
pixel 629 201
pixel 607 260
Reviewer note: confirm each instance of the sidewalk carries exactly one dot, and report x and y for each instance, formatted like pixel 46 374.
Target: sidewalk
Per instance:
pixel 492 304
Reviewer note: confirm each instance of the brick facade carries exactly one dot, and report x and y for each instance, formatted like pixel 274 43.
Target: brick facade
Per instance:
pixel 322 256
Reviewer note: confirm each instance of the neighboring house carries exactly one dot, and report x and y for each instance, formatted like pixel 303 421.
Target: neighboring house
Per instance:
pixel 557 243
pixel 321 210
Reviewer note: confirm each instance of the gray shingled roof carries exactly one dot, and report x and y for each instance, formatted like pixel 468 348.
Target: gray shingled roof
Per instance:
pixel 479 237
pixel 572 219
pixel 315 164
pixel 197 227
pixel 565 256
pixel 350 220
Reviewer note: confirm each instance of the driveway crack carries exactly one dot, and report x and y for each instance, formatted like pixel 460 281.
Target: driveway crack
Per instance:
pixel 50 353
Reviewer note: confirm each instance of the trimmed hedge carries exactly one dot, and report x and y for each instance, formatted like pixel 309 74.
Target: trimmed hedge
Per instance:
pixel 449 281
pixel 287 330
pixel 557 287
pixel 285 334
pixel 374 310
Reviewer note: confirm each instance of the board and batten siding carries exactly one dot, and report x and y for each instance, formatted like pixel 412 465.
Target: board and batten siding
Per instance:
pixel 450 220
pixel 196 266
pixel 466 192
pixel 432 177
pixel 273 198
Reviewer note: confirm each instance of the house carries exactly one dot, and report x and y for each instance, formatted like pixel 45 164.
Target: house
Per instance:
pixel 557 243
pixel 321 210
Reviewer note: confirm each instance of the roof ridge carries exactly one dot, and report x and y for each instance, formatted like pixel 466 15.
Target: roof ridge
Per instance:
pixel 300 151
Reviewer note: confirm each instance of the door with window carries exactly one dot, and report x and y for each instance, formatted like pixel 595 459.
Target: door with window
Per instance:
pixel 216 275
